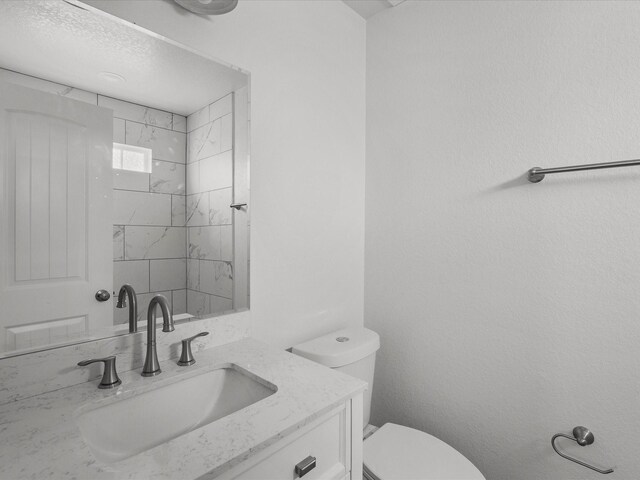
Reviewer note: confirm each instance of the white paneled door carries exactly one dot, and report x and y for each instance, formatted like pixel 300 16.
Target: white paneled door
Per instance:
pixel 56 225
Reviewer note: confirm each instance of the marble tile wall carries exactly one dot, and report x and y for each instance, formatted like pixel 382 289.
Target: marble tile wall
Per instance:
pixel 47 86
pixel 209 174
pixel 149 236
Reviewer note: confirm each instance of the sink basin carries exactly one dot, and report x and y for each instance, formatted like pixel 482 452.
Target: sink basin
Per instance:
pixel 124 427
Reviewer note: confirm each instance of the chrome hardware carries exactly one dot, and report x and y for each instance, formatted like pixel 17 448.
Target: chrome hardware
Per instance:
pixel 102 295
pixel 305 466
pixel 583 437
pixel 237 206
pixel 128 293
pixel 536 174
pixel 151 364
pixel 110 376
pixel 186 357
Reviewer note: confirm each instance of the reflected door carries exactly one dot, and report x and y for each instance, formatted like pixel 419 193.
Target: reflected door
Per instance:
pixel 56 230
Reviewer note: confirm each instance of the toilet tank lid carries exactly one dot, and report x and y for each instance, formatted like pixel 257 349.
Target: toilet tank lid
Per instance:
pixel 341 347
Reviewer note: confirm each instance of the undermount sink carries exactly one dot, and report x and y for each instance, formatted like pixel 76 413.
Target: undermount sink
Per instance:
pixel 126 427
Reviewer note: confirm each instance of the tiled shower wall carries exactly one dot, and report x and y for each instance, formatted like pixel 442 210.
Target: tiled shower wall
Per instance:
pixel 209 218
pixel 149 230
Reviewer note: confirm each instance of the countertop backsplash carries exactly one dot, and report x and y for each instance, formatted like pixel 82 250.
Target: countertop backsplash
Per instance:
pixel 35 373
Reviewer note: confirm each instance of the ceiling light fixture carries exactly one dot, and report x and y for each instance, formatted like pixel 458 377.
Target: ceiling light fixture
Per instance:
pixel 208 7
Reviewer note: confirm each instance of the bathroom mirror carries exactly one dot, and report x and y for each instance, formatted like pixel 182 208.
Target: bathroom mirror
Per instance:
pixel 124 159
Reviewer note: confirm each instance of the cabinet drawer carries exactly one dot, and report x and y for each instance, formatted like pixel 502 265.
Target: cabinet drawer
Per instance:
pixel 326 442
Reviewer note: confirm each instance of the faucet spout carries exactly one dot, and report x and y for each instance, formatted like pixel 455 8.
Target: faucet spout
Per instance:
pixel 151 364
pixel 127 293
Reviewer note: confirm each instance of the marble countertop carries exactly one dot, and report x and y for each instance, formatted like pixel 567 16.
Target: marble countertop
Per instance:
pixel 40 437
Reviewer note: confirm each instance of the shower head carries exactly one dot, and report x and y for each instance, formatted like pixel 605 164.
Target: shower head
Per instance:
pixel 208 7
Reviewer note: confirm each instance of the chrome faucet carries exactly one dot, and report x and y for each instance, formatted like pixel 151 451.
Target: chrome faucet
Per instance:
pixel 151 365
pixel 127 293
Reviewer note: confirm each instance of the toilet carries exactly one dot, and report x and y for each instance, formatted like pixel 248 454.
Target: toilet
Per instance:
pixel 392 452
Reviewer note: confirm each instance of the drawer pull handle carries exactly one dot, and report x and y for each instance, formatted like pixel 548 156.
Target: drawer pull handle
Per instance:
pixel 305 466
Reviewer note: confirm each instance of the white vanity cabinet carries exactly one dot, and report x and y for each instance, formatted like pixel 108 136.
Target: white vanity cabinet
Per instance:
pixel 315 412
pixel 334 439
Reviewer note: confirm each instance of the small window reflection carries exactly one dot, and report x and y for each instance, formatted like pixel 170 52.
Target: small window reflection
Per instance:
pixel 128 157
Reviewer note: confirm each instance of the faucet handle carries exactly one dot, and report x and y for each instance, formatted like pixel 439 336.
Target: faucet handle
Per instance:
pixel 186 357
pixel 110 376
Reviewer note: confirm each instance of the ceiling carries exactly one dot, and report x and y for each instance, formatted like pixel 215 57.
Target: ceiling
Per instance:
pixel 368 8
pixel 79 47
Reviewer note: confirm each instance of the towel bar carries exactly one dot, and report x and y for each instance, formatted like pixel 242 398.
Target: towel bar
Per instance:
pixel 536 174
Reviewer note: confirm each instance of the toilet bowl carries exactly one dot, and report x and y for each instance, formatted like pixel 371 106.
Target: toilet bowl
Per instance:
pixel 392 452
pixel 397 452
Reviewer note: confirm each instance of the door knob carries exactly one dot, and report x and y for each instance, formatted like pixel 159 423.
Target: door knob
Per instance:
pixel 102 295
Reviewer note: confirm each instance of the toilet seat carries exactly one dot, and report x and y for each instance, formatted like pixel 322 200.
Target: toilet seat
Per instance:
pixel 395 452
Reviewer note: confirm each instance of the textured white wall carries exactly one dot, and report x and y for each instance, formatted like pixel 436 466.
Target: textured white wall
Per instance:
pixel 307 64
pixel 508 311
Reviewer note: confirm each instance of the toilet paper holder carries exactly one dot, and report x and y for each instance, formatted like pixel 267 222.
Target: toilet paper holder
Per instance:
pixel 583 437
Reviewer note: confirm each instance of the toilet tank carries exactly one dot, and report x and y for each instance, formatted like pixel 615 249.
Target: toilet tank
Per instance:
pixel 351 351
